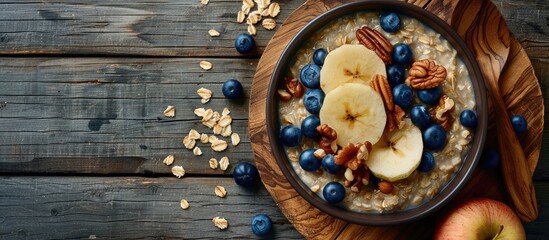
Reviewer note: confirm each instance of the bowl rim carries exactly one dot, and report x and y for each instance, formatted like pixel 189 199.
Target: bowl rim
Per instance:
pixel 469 161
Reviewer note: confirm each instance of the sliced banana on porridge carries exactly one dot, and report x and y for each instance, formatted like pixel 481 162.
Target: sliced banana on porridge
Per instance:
pixel 350 64
pixel 356 112
pixel 397 154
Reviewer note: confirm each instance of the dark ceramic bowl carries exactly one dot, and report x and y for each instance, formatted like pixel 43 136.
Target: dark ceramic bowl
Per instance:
pixel 470 160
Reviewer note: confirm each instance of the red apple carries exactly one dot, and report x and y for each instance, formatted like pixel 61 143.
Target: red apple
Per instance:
pixel 480 218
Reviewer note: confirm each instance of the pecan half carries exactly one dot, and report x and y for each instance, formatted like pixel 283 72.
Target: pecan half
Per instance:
pixel 376 42
pixel 442 112
pixel 326 131
pixel 326 145
pixel 394 113
pixel 361 178
pixel 425 74
pixel 346 154
pixel 293 86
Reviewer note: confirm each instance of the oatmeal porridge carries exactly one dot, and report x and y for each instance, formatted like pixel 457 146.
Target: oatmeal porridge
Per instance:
pixel 370 136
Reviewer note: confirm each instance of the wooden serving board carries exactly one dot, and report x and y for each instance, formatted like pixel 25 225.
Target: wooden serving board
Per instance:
pixel 518 85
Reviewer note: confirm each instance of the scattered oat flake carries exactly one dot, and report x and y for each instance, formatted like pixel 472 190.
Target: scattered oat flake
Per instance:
pixel 212 139
pixel 240 16
pixel 170 111
pixel 178 171
pixel 220 223
pixel 213 163
pixel 204 2
pixel 184 204
pixel 213 33
pixel 225 112
pixel 204 93
pixel 248 3
pixel 204 100
pixel 235 139
pixel 225 121
pixel 274 9
pixel 168 160
pixel 217 129
pixel 188 142
pixel 227 131
pixel 208 114
pixel 219 145
pixel 204 138
pixel 268 23
pixel 206 65
pixel 197 151
pixel 224 163
pixel 251 29
pixel 200 112
pixel 210 123
pixel 220 191
pixel 315 188
pixel 193 134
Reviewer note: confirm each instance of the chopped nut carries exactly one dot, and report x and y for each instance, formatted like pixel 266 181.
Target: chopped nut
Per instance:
pixel 385 187
pixel 284 95
pixel 326 131
pixel 441 114
pixel 333 146
pixel 206 65
pixel 376 42
pixel 204 138
pixel 197 151
pixel 349 175
pixel 364 151
pixel 178 171
pixel 184 204
pixel 227 131
pixel 240 16
pixel 193 134
pixel 326 145
pixel 220 223
pixel 268 23
pixel 225 112
pixel 188 142
pixel 346 154
pixel 168 160
pixel 213 33
pixel 425 74
pixel 170 111
pixel 213 163
pixel 319 153
pixel 251 29
pixel 204 93
pixel 235 139
pixel 219 145
pixel 220 191
pixel 204 2
pixel 224 163
pixel 293 86
pixel 274 9
pixel 225 121
pixel 200 112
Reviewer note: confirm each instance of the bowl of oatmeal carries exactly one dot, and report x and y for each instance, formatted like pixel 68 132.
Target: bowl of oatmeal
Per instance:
pixel 377 112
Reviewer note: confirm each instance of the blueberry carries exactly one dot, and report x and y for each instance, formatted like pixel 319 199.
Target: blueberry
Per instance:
pixel 420 116
pixel 290 136
pixel 310 76
pixel 402 54
pixel 308 126
pixel 403 95
pixel 333 192
pixel 328 163
pixel 434 137
pixel 319 55
pixel 519 124
pixel 232 89
pixel 244 43
pixel 313 100
pixel 308 161
pixel 395 75
pixel 389 21
pixel 427 162
pixel 490 159
pixel 261 225
pixel 430 96
pixel 468 118
pixel 245 174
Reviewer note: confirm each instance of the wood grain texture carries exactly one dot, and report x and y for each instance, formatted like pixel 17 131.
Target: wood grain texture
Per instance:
pixel 131 208
pixel 179 28
pixel 275 181
pixel 64 115
pixel 484 30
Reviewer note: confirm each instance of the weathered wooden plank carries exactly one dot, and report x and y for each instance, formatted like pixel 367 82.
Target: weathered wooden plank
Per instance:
pixel 131 208
pixel 179 28
pixel 78 115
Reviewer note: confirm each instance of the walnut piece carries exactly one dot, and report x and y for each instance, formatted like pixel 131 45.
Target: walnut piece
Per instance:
pixel 326 145
pixel 425 74
pixel 326 131
pixel 376 42
pixel 346 154
pixel 441 113
pixel 293 86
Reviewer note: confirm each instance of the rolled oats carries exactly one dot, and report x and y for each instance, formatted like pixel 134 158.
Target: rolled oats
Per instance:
pixel 169 112
pixel 315 188
pixel 204 2
pixel 254 17
pixel 178 171
pixel 319 153
pixel 219 145
pixel 208 114
pixel 204 138
pixel 227 131
pixel 188 142
pixel 217 129
pixel 210 123
pixel 248 3
pixel 168 160
pixel 220 191
pixel 206 65
pixel 197 151
pixel 268 23
pixel 193 134
pixel 220 223
pixel 274 9
pixel 251 29
pixel 204 93
pixel 213 33
pixel 240 16
pixel 212 139
pixel 184 204
pixel 213 163
pixel 200 112
pixel 224 163
pixel 235 139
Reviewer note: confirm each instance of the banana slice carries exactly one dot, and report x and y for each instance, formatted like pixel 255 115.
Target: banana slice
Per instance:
pixel 397 154
pixel 350 64
pixel 356 112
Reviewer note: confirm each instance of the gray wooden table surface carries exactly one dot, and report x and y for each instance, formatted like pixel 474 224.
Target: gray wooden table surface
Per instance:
pixel 83 85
